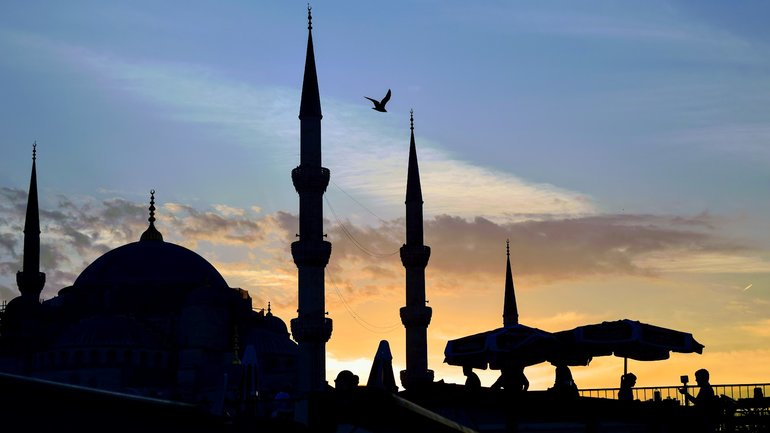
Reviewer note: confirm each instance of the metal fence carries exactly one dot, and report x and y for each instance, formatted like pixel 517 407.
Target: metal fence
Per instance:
pixel 734 391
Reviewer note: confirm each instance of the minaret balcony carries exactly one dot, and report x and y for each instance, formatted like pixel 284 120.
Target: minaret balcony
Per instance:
pixel 310 178
pixel 415 256
pixel 416 316
pixel 304 330
pixel 311 253
pixel 29 282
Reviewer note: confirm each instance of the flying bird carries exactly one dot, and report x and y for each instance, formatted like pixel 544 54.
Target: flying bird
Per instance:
pixel 380 105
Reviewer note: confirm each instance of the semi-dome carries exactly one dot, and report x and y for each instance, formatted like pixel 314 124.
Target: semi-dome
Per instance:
pixel 150 261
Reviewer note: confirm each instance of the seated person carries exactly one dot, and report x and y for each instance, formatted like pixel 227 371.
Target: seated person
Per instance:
pixel 472 382
pixel 512 378
pixel 705 395
pixel 564 385
pixel 627 382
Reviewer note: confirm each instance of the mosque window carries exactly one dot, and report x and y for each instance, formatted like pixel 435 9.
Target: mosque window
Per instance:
pixel 111 355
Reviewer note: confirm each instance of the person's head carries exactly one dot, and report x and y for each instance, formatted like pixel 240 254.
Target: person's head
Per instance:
pixel 702 376
pixel 628 379
pixel 346 380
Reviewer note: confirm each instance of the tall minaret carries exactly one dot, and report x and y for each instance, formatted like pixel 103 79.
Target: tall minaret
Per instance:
pixel 414 255
pixel 30 280
pixel 311 329
pixel 510 310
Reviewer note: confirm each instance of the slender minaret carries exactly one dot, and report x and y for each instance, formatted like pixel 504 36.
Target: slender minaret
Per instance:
pixel 414 255
pixel 311 329
pixel 30 280
pixel 510 310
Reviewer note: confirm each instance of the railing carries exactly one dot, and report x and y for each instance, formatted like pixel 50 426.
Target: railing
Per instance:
pixel 734 391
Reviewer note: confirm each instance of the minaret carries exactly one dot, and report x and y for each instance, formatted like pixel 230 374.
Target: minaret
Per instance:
pixel 311 329
pixel 414 256
pixel 510 311
pixel 30 280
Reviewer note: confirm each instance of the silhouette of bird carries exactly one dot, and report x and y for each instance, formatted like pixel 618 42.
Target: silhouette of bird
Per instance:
pixel 380 105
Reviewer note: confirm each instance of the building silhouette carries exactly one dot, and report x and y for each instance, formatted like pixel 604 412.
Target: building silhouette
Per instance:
pixel 149 318
pixel 157 325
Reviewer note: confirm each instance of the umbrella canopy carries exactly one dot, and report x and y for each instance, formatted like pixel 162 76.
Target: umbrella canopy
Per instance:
pixel 515 344
pixel 623 338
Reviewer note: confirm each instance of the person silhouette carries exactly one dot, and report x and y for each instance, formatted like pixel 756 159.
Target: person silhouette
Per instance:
pixel 346 381
pixel 706 402
pixel 564 385
pixel 627 382
pixel 705 395
pixel 512 378
pixel 472 381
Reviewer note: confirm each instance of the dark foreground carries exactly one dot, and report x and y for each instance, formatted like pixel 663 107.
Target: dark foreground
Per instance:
pixel 34 405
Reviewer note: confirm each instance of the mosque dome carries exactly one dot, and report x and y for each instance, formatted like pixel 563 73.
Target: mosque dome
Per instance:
pixel 150 261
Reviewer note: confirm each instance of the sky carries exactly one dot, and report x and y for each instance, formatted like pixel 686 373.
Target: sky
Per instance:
pixel 622 147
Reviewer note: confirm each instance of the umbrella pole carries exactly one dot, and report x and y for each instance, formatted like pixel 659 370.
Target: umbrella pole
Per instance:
pixel 625 366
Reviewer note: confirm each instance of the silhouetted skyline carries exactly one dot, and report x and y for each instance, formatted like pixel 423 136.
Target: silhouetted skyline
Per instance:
pixel 623 151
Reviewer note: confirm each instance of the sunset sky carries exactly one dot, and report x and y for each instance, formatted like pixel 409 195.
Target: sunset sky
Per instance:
pixel 622 147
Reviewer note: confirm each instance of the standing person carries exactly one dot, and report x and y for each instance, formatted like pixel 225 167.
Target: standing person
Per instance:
pixel 472 381
pixel 627 382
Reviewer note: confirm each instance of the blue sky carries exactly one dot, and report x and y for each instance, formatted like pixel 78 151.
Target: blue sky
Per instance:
pixel 637 115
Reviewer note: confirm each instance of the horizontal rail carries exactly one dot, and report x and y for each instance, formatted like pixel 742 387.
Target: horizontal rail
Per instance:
pixel 671 392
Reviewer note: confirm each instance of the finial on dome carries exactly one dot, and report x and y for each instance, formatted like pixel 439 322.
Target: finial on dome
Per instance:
pixel 411 119
pixel 269 312
pixel 152 234
pixel 34 150
pixel 151 219
pixel 309 18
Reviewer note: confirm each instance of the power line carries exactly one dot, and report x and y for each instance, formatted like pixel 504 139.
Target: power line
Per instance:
pixel 358 202
pixel 377 329
pixel 352 238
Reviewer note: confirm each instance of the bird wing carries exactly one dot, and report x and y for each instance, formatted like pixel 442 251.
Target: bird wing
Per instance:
pixel 386 98
pixel 373 100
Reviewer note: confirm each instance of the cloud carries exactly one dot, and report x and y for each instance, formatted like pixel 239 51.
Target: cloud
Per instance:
pixel 367 157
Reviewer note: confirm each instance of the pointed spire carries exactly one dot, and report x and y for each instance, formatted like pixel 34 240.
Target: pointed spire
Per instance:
pixel 413 188
pixel 310 105
pixel 510 310
pixel 32 223
pixel 30 280
pixel 151 234
pixel 269 311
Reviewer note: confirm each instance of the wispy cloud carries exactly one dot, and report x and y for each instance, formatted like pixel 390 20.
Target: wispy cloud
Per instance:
pixel 367 157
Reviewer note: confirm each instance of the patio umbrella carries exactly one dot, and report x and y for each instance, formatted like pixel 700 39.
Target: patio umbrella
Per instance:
pixel 625 338
pixel 515 344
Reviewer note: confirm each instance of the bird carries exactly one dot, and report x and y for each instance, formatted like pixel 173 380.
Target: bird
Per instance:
pixel 380 105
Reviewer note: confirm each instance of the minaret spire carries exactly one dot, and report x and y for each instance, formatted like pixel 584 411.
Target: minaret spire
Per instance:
pixel 311 329
pixel 510 310
pixel 414 256
pixel 30 280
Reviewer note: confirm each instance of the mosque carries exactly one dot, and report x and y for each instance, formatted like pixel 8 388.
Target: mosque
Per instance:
pixel 153 328
pixel 155 319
